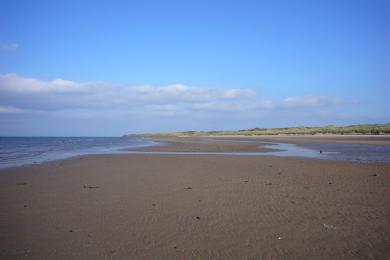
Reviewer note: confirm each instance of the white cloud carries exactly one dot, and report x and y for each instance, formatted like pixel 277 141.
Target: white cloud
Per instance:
pixel 23 94
pixel 8 47
pixel 63 94
pixel 170 93
pixel 219 106
pixel 242 106
pixel 15 83
pixel 311 101
pixel 239 93
pixel 9 109
pixel 267 104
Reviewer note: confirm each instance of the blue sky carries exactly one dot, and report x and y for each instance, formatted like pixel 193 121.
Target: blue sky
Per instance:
pixel 107 68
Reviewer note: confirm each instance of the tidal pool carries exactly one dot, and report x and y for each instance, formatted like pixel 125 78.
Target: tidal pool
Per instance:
pixel 363 153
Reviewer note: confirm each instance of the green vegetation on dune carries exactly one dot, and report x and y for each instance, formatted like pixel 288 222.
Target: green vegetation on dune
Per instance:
pixel 372 129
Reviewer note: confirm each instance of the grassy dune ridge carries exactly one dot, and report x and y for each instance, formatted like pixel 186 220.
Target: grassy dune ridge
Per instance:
pixel 364 129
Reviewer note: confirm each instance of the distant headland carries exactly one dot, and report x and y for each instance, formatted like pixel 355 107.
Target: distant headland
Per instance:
pixel 363 129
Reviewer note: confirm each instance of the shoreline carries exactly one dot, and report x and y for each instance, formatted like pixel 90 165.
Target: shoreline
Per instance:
pixel 252 144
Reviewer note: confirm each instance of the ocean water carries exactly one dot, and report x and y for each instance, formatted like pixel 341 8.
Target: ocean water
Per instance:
pixel 17 151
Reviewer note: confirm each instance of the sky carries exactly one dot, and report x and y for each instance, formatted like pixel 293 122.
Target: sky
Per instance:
pixel 108 68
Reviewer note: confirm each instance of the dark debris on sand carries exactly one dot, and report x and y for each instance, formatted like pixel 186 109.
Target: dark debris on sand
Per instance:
pixel 90 187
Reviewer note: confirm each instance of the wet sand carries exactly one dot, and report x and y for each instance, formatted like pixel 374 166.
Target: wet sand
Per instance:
pixel 195 207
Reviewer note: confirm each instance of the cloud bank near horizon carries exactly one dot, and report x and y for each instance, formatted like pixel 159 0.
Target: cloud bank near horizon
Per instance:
pixel 33 106
pixel 20 94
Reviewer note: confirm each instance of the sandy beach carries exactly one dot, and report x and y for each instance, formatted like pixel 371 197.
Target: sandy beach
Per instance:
pixel 196 206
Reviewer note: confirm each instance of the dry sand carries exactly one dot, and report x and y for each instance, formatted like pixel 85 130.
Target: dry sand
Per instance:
pixel 195 207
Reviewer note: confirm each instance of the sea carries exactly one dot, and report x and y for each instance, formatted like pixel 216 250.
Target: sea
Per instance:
pixel 17 151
